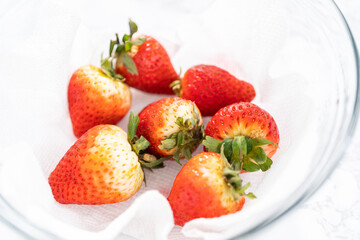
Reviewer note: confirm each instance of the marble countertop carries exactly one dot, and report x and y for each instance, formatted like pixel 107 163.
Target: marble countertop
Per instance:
pixel 333 212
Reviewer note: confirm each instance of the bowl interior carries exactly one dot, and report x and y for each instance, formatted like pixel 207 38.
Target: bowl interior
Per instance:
pixel 297 54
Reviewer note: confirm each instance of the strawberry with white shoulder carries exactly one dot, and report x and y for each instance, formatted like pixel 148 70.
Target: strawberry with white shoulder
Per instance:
pixel 103 166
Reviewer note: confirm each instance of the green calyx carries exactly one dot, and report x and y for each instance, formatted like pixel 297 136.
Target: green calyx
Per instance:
pixel 118 53
pixel 233 179
pixel 189 136
pixel 176 87
pixel 140 144
pixel 244 153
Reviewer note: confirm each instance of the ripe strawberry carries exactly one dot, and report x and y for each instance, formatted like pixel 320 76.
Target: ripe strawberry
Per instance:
pixel 95 98
pixel 206 187
pixel 173 126
pixel 249 134
pixel 212 88
pixel 103 166
pixel 143 62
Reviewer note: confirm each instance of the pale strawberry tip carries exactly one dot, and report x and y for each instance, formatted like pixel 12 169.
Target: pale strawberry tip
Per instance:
pixel 244 153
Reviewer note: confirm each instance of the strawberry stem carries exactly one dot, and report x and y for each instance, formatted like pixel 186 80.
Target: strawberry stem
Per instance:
pixel 176 87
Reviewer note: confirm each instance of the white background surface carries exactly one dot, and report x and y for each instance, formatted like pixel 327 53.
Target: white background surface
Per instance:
pixel 334 211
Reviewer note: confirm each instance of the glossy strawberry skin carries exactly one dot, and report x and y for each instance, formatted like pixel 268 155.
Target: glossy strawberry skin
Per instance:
pixel 157 121
pixel 245 119
pixel 95 98
pixel 212 88
pixel 200 190
pixel 99 168
pixel 155 71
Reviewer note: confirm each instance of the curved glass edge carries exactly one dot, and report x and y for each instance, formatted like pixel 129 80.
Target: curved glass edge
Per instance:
pixel 348 137
pixel 21 225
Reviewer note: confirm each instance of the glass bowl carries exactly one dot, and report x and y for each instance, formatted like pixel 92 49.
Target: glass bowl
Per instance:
pixel 299 55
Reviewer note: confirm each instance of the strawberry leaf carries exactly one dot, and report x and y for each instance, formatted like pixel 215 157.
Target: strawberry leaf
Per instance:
pixel 140 145
pixel 264 167
pixel 133 28
pixel 249 165
pixel 132 126
pixel 236 152
pixel 249 195
pixel 227 143
pixel 242 190
pixel 180 122
pixel 128 46
pixel 125 38
pixel 168 144
pixel 138 41
pixel 158 163
pixel 187 153
pixel 179 138
pixel 249 144
pixel 211 144
pixel 119 48
pixel 223 156
pixel 242 144
pixel 259 155
pixel 263 141
pixel 118 76
pixel 176 156
pixel 111 48
pixel 107 69
pixel 128 63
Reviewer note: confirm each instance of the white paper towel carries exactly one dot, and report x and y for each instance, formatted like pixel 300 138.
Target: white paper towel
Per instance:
pixel 44 42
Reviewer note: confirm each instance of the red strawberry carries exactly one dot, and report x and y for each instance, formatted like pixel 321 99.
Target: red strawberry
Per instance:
pixel 206 187
pixel 212 88
pixel 173 126
pixel 155 71
pixel 143 62
pixel 249 134
pixel 103 166
pixel 94 98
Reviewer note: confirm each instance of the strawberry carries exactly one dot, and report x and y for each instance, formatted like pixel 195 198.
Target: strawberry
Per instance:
pixel 173 126
pixel 249 134
pixel 95 98
pixel 206 187
pixel 142 62
pixel 103 166
pixel 212 88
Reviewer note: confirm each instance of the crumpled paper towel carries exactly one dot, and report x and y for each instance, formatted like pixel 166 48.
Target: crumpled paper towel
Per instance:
pixel 43 42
